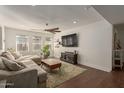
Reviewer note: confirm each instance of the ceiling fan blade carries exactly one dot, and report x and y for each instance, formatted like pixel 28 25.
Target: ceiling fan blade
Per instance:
pixel 54 32
pixel 36 29
pixel 52 29
pixel 57 31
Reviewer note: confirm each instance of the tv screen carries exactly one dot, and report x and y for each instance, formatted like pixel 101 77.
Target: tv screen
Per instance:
pixel 70 40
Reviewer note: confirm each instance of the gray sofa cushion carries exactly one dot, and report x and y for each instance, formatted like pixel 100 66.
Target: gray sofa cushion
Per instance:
pixel 28 57
pixel 25 78
pixel 11 65
pixel 42 75
pixel 20 63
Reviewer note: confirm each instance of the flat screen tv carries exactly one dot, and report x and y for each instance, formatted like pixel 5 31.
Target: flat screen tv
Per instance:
pixel 70 40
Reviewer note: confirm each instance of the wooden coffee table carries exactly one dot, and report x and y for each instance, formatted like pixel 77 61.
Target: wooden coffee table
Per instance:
pixel 51 63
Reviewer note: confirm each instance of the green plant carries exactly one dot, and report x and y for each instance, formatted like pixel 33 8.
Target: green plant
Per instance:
pixel 46 51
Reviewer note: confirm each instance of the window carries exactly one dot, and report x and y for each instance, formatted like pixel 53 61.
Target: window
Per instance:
pixel 1 39
pixel 22 43
pixel 36 43
pixel 49 41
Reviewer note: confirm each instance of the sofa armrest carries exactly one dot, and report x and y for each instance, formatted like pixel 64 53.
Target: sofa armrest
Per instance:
pixel 24 78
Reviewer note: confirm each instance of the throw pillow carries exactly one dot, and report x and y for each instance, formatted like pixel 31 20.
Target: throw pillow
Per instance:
pixel 3 54
pixel 11 65
pixel 16 55
pixel 8 55
pixel 2 66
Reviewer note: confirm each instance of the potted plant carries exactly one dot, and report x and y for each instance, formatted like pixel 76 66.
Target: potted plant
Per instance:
pixel 45 51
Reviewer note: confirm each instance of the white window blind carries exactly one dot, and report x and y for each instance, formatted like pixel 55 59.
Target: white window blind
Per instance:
pixel 36 43
pixel 22 43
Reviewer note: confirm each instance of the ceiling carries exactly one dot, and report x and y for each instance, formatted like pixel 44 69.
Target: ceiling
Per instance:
pixel 35 17
pixel 113 13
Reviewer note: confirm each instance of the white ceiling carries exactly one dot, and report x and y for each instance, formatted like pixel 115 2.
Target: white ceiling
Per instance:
pixel 35 17
pixel 113 13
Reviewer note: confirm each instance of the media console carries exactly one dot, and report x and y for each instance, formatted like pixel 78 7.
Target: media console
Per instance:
pixel 70 57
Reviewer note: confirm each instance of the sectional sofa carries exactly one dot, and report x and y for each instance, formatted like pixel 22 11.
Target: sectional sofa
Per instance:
pixel 31 76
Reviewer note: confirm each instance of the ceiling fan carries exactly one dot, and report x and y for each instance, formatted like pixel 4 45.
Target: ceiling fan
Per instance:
pixel 51 30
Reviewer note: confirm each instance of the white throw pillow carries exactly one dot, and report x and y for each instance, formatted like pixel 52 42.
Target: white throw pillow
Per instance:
pixel 10 56
pixel 16 55
pixel 11 65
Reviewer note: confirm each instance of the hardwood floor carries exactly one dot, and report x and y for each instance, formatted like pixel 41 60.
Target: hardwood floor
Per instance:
pixel 94 78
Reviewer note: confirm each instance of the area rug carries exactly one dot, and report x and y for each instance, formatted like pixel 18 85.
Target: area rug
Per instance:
pixel 67 71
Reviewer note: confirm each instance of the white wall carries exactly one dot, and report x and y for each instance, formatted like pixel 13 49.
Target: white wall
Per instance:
pixel 10 39
pixel 95 45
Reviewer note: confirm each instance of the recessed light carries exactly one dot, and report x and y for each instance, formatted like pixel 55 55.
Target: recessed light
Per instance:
pixel 33 5
pixel 74 22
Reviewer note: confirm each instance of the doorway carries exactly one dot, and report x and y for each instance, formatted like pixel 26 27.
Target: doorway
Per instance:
pixel 118 47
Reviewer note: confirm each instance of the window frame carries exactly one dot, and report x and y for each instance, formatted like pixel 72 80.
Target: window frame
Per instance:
pixel 40 43
pixel 26 36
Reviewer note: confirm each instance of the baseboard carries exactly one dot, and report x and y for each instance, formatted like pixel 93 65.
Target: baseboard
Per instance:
pixel 98 67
